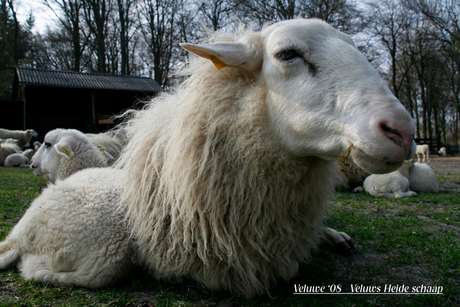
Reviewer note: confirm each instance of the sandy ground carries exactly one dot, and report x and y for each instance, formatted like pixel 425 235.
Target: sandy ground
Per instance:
pixel 445 166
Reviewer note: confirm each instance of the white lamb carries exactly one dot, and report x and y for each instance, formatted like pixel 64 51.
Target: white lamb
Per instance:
pixel 392 185
pixel 19 159
pixel 226 180
pixel 423 179
pixel 65 152
pixel 23 137
pixel 73 233
pixel 443 152
pixel 423 150
pixel 6 150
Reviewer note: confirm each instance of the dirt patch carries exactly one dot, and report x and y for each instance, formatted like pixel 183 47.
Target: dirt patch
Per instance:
pixel 445 166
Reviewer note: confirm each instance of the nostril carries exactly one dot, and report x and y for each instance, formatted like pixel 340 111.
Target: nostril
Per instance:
pixel 392 134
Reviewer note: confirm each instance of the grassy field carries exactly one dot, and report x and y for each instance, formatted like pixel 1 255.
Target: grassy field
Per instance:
pixel 404 245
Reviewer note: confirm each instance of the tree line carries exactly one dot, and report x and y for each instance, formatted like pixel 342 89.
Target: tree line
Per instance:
pixel 415 44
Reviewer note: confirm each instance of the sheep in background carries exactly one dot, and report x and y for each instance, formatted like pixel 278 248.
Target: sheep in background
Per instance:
pixel 23 137
pixel 423 150
pixel 37 145
pixel 19 159
pixel 391 185
pixel 423 179
pixel 443 152
pixel 209 166
pixel 112 141
pixel 65 152
pixel 6 150
pixel 9 141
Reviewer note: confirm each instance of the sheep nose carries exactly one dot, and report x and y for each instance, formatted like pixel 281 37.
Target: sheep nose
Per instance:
pixel 399 135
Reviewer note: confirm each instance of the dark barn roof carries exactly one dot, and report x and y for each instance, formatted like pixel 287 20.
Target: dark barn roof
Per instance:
pixel 47 99
pixel 42 77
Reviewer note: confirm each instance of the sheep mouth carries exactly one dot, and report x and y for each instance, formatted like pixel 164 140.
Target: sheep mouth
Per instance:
pixel 37 171
pixel 372 164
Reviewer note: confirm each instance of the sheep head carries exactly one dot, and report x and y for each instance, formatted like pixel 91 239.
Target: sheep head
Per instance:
pixel 322 94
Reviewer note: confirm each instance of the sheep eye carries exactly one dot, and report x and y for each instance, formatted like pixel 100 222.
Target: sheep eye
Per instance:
pixel 287 55
pixel 47 144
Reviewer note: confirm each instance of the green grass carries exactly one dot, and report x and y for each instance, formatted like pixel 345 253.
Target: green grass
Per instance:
pixel 411 241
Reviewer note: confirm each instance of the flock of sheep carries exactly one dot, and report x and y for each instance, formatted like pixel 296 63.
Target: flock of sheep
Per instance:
pixel 188 186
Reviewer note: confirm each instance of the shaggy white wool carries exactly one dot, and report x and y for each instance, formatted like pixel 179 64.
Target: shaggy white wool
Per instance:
pixel 226 180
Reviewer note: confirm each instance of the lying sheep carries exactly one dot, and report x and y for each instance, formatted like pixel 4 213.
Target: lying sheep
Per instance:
pixel 9 141
pixel 423 150
pixel 442 151
pixel 6 150
pixel 65 152
pixel 23 137
pixel 391 185
pixel 226 180
pixel 19 159
pixel 72 234
pixel 423 179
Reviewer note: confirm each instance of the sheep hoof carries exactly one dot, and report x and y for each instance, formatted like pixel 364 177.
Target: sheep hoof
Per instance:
pixel 338 242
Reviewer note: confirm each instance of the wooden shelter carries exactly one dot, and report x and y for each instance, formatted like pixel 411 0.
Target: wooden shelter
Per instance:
pixel 46 99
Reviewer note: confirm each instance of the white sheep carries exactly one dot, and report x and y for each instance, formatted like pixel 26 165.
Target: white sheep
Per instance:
pixel 65 152
pixel 72 234
pixel 23 137
pixel 443 152
pixel 6 150
pixel 423 179
pixel 37 145
pixel 208 167
pixel 392 185
pixel 19 159
pixel 423 150
pixel 9 141
pixel 226 180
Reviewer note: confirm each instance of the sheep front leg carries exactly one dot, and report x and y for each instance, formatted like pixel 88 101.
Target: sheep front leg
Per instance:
pixel 339 242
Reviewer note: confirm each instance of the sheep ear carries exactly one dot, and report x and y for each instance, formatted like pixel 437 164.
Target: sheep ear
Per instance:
pixel 64 149
pixel 107 155
pixel 223 54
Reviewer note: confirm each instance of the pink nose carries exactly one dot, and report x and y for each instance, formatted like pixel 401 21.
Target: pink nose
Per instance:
pixel 399 135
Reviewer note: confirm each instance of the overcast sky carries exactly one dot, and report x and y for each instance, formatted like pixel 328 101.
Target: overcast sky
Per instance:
pixel 43 15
